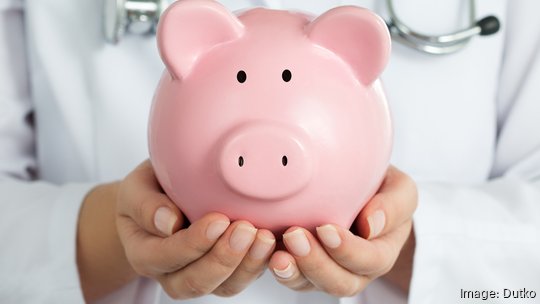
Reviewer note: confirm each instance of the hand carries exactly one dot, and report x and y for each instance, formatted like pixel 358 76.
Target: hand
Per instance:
pixel 341 263
pixel 212 255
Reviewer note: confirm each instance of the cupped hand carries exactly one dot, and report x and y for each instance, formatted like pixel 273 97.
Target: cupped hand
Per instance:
pixel 342 262
pixel 212 255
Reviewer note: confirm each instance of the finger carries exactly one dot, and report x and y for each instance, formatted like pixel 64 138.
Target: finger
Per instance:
pixel 318 267
pixel 251 267
pixel 204 275
pixel 141 198
pixel 286 272
pixel 151 255
pixel 393 205
pixel 360 256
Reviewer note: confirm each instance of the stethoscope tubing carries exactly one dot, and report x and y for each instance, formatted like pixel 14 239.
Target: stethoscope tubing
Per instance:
pixel 120 15
pixel 441 44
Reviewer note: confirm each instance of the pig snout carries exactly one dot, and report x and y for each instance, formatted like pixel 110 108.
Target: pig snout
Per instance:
pixel 266 161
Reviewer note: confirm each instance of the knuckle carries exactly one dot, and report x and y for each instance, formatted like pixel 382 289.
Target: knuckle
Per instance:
pixel 193 244
pixel 164 259
pixel 138 262
pixel 310 267
pixel 334 290
pixel 138 210
pixel 125 183
pixel 384 261
pixel 171 292
pixel 303 285
pixel 167 286
pixel 342 290
pixel 194 288
pixel 252 270
pixel 411 184
pixel 383 267
pixel 140 268
pixel 415 198
pixel 342 255
pixel 226 261
pixel 226 290
pixel 387 265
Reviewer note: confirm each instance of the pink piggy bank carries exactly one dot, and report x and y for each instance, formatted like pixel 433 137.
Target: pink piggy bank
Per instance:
pixel 271 116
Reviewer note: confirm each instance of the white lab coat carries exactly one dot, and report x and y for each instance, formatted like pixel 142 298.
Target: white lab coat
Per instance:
pixel 467 129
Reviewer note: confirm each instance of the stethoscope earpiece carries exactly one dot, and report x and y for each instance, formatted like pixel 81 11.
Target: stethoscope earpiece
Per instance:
pixel 488 25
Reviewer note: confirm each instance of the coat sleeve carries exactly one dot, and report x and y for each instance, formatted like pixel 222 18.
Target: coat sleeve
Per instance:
pixel 38 219
pixel 486 237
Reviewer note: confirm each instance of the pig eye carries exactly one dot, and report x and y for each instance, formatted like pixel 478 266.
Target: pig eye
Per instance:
pixel 284 160
pixel 286 75
pixel 241 76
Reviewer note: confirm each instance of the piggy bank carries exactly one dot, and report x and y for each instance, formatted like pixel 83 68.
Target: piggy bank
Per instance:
pixel 270 116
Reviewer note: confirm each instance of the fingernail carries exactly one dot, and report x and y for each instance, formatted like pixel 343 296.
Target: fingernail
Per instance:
pixel 329 236
pixel 285 273
pixel 242 237
pixel 297 242
pixel 164 220
pixel 261 247
pixel 376 223
pixel 216 229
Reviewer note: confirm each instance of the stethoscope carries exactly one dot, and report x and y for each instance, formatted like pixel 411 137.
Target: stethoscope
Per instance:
pixel 141 17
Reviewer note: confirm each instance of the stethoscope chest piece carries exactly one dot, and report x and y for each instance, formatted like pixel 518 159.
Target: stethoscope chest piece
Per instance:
pixel 133 16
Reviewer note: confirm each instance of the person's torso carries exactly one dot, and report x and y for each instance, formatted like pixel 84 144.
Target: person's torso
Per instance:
pixel 92 98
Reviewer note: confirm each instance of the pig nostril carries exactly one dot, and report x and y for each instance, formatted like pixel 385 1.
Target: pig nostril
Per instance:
pixel 241 161
pixel 284 160
pixel 241 76
pixel 286 75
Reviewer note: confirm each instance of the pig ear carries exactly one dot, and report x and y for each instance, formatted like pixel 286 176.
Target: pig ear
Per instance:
pixel 357 35
pixel 189 28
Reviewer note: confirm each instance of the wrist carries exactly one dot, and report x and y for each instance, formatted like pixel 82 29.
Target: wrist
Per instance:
pixel 102 264
pixel 401 273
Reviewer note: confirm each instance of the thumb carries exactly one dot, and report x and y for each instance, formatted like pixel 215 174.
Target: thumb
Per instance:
pixel 391 207
pixel 142 200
